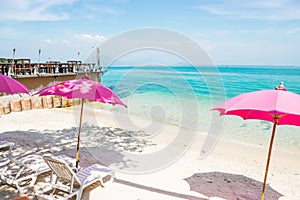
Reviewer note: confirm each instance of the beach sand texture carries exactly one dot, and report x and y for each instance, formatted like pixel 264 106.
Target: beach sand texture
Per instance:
pixel 231 171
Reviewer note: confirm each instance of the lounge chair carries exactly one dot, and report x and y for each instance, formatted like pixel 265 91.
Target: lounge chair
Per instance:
pixel 5 145
pixel 66 183
pixel 22 173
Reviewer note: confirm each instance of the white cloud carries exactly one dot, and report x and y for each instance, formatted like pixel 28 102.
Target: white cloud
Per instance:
pixel 104 9
pixel 98 38
pixel 255 9
pixel 66 42
pixel 48 41
pixel 112 11
pixel 84 36
pixel 54 42
pixel 32 10
pixel 294 31
pixel 68 47
pixel 54 10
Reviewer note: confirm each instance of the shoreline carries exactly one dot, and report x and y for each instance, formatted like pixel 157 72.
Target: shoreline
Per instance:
pixel 227 156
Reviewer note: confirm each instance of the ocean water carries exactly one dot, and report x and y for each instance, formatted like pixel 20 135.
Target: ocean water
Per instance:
pixel 184 95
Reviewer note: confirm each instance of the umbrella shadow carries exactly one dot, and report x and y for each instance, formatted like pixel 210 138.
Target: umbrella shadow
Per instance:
pixel 229 186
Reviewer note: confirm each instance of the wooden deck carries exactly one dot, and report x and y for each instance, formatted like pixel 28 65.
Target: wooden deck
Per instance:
pixel 38 75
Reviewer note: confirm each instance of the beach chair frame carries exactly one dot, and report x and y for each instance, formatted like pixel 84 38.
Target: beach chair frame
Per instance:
pixel 6 145
pixel 22 173
pixel 66 182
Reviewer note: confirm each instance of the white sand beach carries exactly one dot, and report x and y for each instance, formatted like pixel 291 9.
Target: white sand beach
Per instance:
pixel 104 141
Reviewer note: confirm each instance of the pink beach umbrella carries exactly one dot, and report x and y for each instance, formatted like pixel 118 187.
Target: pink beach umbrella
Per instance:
pixel 276 106
pixel 83 88
pixel 11 86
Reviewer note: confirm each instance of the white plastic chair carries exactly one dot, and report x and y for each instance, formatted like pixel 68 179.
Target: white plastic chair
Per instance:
pixel 6 145
pixel 22 173
pixel 65 182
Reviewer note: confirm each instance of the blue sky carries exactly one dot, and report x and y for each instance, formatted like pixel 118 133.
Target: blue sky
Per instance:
pixel 261 32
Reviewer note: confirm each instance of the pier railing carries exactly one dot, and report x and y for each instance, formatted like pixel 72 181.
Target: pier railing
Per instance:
pixel 19 67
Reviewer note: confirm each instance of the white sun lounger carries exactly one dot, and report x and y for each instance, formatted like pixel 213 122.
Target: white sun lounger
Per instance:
pixel 65 183
pixel 5 145
pixel 22 173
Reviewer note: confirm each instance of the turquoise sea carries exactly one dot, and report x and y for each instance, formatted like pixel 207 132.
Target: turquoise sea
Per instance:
pixel 184 95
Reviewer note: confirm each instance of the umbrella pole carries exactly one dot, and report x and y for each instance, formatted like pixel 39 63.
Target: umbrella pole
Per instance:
pixel 79 129
pixel 269 157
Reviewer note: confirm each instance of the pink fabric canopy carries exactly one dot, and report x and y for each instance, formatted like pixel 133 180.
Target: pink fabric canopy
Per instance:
pixel 82 88
pixel 263 105
pixel 11 86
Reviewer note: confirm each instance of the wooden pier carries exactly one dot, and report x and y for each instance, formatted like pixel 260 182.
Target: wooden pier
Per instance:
pixel 38 75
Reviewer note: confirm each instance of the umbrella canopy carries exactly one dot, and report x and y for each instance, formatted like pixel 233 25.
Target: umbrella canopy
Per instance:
pixel 264 105
pixel 276 106
pixel 83 88
pixel 11 86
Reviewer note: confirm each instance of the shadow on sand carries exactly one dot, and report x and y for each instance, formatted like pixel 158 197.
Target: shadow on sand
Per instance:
pixel 229 186
pixel 98 145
